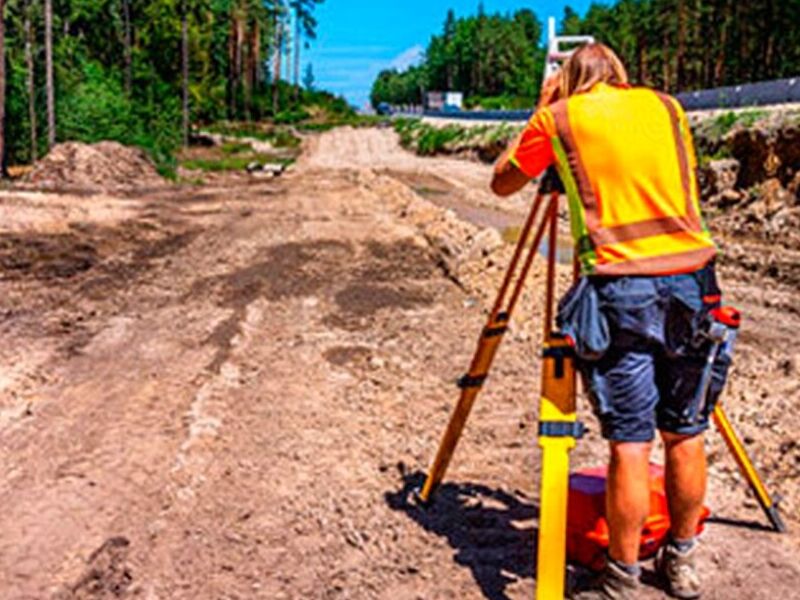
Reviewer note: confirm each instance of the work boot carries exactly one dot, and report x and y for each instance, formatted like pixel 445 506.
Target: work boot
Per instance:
pixel 679 570
pixel 613 584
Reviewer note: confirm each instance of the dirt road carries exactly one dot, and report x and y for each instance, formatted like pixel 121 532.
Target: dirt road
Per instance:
pixel 227 391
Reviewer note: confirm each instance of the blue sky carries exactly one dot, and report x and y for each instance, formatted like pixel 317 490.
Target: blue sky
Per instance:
pixel 357 39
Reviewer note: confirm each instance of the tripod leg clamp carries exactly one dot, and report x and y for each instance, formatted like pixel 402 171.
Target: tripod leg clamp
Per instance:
pixel 561 429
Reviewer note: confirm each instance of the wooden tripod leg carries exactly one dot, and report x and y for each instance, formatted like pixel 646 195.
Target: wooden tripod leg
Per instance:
pixel 489 342
pixel 748 469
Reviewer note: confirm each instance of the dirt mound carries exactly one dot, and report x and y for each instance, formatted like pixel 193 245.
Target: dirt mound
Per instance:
pixel 102 165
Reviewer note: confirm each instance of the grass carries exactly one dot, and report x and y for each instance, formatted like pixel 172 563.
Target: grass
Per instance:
pixel 343 121
pixel 428 140
pixel 235 162
pixel 280 137
pixel 722 124
pixel 232 148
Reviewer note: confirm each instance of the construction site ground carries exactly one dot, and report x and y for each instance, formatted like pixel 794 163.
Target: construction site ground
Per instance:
pixel 228 390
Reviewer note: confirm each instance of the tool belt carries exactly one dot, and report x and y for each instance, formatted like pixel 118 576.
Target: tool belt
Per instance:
pixel 582 321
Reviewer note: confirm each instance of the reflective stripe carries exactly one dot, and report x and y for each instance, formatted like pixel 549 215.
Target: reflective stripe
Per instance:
pixel 573 157
pixel 667 264
pixel 683 161
pixel 577 213
pixel 642 229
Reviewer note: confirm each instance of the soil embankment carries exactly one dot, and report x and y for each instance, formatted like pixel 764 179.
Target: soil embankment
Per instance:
pixel 227 391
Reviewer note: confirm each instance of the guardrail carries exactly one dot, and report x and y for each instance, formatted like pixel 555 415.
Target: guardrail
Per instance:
pixel 765 93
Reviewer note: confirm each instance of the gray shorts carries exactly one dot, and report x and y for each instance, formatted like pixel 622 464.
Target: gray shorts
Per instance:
pixel 649 377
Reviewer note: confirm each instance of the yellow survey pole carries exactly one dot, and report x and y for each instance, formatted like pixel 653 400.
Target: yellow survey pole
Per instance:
pixel 558 434
pixel 559 431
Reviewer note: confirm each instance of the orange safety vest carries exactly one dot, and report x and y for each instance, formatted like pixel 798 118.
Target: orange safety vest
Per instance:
pixel 626 158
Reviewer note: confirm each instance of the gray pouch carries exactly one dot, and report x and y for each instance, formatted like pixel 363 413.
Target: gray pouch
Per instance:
pixel 581 319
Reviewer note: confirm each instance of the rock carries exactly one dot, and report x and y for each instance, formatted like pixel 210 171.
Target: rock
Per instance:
pixel 267 170
pixel 794 186
pixel 203 139
pixel 276 169
pixel 727 199
pixel 772 197
pixel 376 362
pixel 765 150
pixel 485 242
pixel 719 176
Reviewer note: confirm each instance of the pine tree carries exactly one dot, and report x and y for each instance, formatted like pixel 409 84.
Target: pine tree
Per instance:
pixel 49 82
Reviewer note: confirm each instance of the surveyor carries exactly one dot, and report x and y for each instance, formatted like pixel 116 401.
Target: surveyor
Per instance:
pixel 626 158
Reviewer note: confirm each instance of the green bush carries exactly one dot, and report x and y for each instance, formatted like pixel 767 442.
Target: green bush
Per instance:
pixel 504 102
pixel 292 116
pixel 97 109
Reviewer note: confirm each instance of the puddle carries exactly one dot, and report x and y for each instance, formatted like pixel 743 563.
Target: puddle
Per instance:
pixel 442 194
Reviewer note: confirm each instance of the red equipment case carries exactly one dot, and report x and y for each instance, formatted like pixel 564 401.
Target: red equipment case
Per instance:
pixel 587 528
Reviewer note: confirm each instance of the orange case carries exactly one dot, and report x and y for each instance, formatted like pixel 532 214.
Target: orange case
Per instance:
pixel 587 528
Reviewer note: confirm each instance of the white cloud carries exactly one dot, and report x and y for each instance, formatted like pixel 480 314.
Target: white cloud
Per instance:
pixel 408 58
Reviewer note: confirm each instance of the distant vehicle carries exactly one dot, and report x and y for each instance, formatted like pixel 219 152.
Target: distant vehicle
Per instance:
pixel 444 101
pixel 384 109
pixel 453 99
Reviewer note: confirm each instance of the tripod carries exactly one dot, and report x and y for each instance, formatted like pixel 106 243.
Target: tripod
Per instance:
pixel 559 428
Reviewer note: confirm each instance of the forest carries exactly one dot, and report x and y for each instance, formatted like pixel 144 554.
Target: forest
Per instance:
pixel 675 45
pixel 142 71
pixel 494 59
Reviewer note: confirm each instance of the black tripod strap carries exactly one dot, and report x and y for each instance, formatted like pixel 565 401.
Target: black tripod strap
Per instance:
pixel 471 381
pixel 561 429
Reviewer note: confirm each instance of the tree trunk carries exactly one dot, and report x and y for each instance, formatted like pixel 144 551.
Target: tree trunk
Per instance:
pixel 641 51
pixel 2 88
pixel 249 68
pixel 128 42
pixel 48 54
pixel 276 71
pixel 680 52
pixel 232 69
pixel 297 39
pixel 287 45
pixel 185 70
pixel 667 80
pixel 239 61
pixel 253 61
pixel 30 66
pixel 719 64
pixel 235 56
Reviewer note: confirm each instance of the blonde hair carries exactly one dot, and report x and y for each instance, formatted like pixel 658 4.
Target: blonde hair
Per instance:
pixel 589 65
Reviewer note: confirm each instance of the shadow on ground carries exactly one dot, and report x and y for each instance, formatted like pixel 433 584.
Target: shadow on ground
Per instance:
pixel 492 531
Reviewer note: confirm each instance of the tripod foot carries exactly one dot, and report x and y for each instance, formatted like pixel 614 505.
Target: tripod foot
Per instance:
pixel 416 499
pixel 775 519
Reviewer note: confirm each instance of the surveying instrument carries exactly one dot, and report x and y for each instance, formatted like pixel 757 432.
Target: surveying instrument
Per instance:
pixel 559 430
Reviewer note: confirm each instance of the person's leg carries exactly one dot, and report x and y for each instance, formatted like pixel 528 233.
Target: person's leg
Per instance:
pixel 686 487
pixel 627 498
pixel 624 395
pixel 685 459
